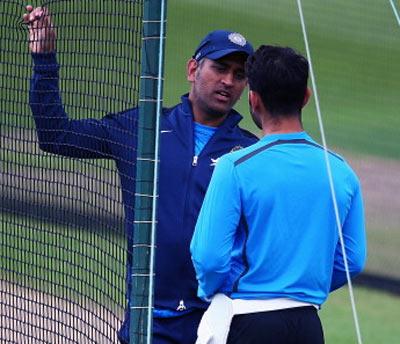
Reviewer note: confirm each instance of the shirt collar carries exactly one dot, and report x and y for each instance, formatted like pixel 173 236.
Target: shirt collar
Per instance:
pixel 286 136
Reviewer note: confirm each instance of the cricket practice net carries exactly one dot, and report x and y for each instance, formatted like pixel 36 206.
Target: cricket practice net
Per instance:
pixel 63 238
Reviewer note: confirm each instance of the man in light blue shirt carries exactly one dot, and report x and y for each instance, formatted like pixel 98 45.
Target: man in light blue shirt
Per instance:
pixel 288 258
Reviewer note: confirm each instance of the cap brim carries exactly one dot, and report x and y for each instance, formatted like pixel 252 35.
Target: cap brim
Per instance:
pixel 221 53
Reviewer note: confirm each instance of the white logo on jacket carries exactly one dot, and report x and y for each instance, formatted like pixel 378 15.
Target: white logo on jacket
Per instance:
pixel 214 161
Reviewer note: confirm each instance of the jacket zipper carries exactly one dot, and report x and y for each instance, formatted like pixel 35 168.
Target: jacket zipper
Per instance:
pixel 182 306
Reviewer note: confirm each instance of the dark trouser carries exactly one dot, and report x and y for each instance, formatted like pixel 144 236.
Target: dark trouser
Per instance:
pixel 176 330
pixel 287 326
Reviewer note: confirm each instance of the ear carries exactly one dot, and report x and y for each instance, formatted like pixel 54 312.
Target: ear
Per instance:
pixel 254 101
pixel 191 68
pixel 307 96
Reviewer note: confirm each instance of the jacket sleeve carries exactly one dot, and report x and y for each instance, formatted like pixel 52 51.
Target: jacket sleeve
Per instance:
pixel 214 234
pixel 85 138
pixel 354 238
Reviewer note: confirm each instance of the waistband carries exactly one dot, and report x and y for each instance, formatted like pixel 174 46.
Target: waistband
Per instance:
pixel 241 306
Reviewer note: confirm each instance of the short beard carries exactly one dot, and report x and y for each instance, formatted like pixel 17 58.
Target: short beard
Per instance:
pixel 213 113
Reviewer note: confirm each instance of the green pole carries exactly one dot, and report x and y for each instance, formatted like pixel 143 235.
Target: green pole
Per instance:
pixel 150 105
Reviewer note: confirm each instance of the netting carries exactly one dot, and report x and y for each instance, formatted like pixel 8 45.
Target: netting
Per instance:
pixel 63 235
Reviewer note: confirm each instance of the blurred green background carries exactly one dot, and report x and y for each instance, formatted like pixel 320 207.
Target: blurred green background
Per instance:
pixel 355 48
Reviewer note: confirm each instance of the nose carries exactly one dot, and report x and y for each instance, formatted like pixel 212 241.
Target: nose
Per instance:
pixel 228 79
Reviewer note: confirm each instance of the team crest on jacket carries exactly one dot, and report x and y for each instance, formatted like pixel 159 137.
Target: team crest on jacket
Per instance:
pixel 237 38
pixel 236 148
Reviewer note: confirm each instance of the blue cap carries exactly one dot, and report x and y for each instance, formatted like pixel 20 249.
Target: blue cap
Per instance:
pixel 220 43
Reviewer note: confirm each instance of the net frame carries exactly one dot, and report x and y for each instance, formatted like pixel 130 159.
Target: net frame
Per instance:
pixel 146 195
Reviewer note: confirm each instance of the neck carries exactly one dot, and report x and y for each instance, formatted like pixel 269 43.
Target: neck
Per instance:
pixel 281 125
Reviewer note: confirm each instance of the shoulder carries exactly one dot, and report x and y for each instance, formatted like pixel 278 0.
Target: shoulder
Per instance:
pixel 237 156
pixel 130 116
pixel 352 176
pixel 339 161
pixel 123 121
pixel 124 114
pixel 134 112
pixel 234 119
pixel 166 111
pixel 248 134
pixel 342 168
pixel 243 138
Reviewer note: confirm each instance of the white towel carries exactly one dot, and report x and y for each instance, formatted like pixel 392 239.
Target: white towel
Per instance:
pixel 216 321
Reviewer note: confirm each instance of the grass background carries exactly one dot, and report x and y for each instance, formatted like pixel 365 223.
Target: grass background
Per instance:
pixel 376 312
pixel 355 47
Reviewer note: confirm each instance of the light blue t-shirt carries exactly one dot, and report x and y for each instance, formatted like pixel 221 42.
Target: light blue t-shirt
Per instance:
pixel 289 246
pixel 202 134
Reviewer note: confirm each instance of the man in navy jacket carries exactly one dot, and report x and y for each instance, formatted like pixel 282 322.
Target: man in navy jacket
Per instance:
pixel 194 134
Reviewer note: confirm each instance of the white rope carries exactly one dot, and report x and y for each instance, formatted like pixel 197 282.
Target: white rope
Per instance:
pixel 155 183
pixel 329 170
pixel 396 14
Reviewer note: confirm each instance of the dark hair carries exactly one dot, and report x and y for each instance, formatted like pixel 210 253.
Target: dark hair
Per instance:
pixel 279 75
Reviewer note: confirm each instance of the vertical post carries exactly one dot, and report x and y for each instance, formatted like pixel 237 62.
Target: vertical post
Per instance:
pixel 150 107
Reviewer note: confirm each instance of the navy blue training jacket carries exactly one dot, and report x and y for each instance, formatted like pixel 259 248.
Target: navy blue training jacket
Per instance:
pixel 183 178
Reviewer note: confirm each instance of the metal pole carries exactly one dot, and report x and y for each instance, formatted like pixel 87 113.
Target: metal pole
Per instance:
pixel 150 105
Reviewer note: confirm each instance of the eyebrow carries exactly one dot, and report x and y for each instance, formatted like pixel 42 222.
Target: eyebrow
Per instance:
pixel 220 63
pixel 227 64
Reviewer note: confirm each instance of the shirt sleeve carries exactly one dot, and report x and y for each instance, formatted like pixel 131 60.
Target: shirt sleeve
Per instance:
pixel 214 233
pixel 56 132
pixel 354 238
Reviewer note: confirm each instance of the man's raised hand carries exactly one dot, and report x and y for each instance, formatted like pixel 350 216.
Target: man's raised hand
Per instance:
pixel 42 35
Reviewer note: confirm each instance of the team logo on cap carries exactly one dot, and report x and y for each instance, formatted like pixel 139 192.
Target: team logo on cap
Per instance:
pixel 237 38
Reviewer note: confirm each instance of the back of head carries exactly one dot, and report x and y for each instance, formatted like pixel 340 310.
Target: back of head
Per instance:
pixel 279 75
